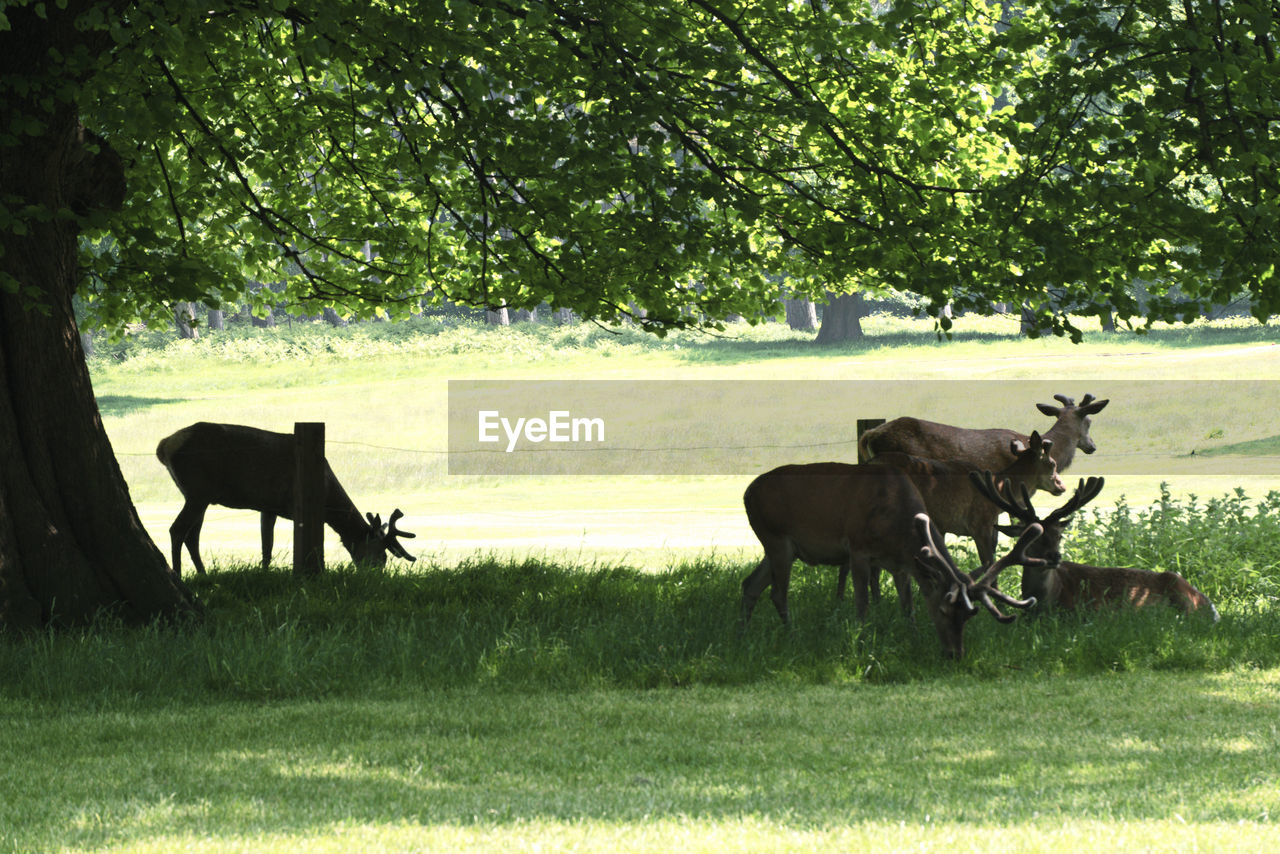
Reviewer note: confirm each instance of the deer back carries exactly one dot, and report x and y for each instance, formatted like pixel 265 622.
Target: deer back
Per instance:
pixel 830 509
pixel 972 449
pixel 984 449
pixel 1074 585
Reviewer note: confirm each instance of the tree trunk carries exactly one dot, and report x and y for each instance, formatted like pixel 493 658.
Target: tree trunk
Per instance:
pixel 525 315
pixel 184 316
pixel 71 543
pixel 332 317
pixel 842 318
pixel 497 317
pixel 217 323
pixel 802 314
pixel 563 316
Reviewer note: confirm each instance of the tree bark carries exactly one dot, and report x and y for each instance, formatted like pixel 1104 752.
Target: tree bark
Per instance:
pixel 842 318
pixel 802 314
pixel 184 316
pixel 217 322
pixel 71 543
pixel 497 316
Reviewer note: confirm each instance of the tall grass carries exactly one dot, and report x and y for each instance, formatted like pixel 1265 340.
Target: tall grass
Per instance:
pixel 542 625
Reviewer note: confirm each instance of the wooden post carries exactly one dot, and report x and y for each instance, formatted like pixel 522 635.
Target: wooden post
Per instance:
pixel 865 424
pixel 308 498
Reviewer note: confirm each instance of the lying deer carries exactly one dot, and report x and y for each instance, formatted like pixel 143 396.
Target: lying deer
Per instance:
pixel 248 468
pixel 956 508
pixel 850 515
pixel 984 450
pixel 1066 584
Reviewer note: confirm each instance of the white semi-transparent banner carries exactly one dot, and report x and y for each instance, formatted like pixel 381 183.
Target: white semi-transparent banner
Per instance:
pixel 1158 427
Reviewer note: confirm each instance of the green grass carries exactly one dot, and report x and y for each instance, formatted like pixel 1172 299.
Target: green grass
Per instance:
pixel 562 668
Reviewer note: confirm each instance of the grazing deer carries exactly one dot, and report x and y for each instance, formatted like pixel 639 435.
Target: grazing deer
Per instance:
pixel 849 515
pixel 248 468
pixel 1066 584
pixel 984 450
pixel 956 508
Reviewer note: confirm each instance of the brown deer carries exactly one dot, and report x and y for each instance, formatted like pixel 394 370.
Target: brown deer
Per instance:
pixel 956 508
pixel 248 468
pixel 849 515
pixel 984 450
pixel 1062 583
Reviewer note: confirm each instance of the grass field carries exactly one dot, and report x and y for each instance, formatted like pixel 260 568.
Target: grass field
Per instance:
pixel 561 669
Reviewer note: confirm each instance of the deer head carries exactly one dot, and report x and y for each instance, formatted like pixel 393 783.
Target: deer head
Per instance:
pixel 379 540
pixel 954 592
pixel 1034 462
pixel 1073 421
pixel 1050 545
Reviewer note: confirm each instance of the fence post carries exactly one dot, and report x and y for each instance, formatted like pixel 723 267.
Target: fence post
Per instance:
pixel 308 498
pixel 865 424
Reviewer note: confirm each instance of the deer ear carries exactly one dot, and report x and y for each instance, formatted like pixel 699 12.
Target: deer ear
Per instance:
pixel 1049 409
pixel 1016 446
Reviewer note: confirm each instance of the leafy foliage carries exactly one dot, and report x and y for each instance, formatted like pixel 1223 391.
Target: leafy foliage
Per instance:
pixel 670 160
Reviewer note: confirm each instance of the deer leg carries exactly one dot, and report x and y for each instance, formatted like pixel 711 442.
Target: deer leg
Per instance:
pixel 985 542
pixel 186 529
pixel 902 583
pixel 781 572
pixel 268 536
pixel 774 571
pixel 752 586
pixel 862 572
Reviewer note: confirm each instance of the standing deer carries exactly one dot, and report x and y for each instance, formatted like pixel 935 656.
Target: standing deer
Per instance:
pixel 849 515
pixel 248 468
pixel 985 450
pixel 1066 584
pixel 956 508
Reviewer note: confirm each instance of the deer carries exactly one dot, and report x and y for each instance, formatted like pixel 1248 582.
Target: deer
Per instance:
pixel 849 515
pixel 247 468
pixel 953 504
pixel 1059 583
pixel 987 449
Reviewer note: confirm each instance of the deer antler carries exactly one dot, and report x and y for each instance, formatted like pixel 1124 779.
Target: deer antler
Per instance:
pixel 1085 492
pixel 393 544
pixel 985 483
pixel 965 589
pixel 1066 401
pixel 937 558
pixel 390 533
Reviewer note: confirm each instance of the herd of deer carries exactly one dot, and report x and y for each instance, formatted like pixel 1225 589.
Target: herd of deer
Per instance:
pixel 921 480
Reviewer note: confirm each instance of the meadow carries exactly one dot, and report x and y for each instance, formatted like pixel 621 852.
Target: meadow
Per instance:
pixel 561 668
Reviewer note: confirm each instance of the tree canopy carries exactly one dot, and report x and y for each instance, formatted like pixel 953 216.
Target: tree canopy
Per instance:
pixel 677 157
pixel 670 160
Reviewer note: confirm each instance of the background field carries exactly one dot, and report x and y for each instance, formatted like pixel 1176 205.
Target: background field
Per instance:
pixel 384 401
pixel 562 670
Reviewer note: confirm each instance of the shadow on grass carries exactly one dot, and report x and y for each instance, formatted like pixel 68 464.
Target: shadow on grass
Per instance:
pixel 795 758
pixel 125 404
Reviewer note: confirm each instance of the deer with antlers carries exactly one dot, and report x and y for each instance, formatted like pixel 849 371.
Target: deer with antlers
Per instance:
pixel 247 468
pixel 952 503
pixel 1065 584
pixel 850 515
pixel 988 449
